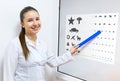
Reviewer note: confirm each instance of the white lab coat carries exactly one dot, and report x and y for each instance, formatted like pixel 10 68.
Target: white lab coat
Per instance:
pixel 16 68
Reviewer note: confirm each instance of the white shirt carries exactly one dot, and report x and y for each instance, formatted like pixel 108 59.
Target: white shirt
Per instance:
pixel 16 68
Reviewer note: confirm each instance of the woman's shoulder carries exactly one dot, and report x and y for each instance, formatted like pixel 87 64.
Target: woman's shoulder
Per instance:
pixel 14 42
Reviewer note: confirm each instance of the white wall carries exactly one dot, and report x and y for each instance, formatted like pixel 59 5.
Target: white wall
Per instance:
pixel 9 22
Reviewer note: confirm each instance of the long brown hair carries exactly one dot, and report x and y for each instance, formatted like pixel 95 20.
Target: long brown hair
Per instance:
pixel 22 33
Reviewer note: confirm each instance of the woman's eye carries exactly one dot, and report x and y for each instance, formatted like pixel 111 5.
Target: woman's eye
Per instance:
pixel 29 20
pixel 37 19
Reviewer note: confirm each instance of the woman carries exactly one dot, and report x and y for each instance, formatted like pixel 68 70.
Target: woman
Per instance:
pixel 26 55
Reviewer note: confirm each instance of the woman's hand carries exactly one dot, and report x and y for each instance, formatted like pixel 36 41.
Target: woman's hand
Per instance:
pixel 73 50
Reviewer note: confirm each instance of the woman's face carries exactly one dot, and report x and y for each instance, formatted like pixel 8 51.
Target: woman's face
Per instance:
pixel 31 22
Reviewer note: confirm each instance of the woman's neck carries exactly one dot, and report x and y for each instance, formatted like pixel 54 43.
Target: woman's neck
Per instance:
pixel 32 38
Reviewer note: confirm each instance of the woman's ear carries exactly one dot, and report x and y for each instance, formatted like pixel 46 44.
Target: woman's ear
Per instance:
pixel 22 25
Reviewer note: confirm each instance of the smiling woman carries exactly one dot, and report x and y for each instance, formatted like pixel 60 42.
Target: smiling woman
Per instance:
pixel 10 25
pixel 26 55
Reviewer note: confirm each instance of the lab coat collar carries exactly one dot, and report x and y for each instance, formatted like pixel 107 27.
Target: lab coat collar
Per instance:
pixel 28 41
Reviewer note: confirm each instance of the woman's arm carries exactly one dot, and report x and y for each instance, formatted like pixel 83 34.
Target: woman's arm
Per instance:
pixel 60 60
pixel 10 62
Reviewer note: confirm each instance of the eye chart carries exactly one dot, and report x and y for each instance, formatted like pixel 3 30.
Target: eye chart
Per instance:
pixel 80 27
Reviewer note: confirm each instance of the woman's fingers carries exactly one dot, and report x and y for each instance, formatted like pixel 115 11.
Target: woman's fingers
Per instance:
pixel 74 50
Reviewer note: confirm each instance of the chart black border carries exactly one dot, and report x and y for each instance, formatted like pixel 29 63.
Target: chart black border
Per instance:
pixel 59 45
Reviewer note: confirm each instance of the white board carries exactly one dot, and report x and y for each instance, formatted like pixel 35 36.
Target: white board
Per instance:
pixel 98 60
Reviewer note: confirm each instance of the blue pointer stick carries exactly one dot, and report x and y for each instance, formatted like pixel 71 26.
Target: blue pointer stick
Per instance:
pixel 89 38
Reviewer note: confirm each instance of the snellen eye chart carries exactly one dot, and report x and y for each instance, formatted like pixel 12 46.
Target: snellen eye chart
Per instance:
pixel 80 27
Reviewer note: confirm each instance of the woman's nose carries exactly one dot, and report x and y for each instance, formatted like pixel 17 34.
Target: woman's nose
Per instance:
pixel 34 22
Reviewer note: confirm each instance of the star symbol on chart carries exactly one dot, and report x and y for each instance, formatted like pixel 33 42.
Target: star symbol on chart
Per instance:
pixel 71 20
